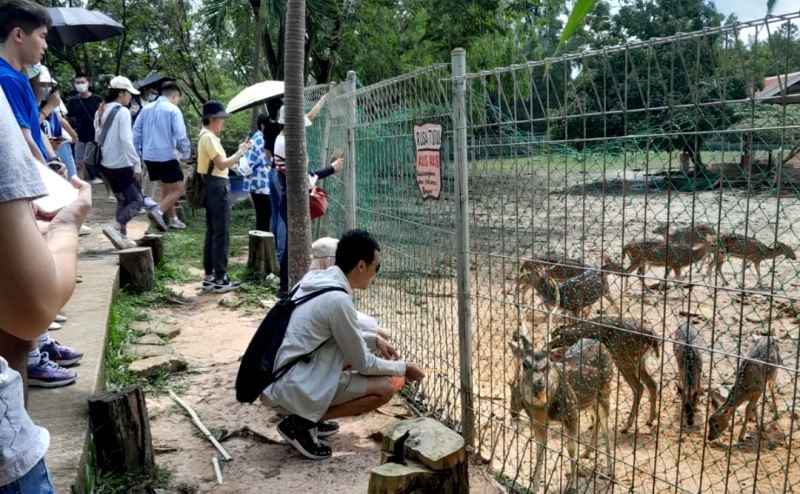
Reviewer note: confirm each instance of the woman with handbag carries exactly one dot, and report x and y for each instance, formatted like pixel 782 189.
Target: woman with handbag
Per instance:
pixel 279 160
pixel 213 165
pixel 119 165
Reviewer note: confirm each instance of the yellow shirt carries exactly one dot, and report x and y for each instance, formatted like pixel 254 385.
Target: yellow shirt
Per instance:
pixel 208 148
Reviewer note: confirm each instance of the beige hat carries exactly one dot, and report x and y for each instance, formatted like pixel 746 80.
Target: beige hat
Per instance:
pixel 122 82
pixel 282 121
pixel 45 77
pixel 324 247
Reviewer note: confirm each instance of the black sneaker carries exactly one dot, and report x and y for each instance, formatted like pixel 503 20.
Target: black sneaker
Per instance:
pixel 226 285
pixel 303 438
pixel 326 429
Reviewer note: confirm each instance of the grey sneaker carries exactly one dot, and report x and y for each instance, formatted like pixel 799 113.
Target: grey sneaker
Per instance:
pixel 158 219
pixel 116 237
pixel 176 224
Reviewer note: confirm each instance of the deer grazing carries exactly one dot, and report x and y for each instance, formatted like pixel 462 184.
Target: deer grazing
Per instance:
pixel 756 373
pixel 674 256
pixel 686 345
pixel 749 249
pixel 688 235
pixel 557 386
pixel 574 295
pixel 556 268
pixel 629 344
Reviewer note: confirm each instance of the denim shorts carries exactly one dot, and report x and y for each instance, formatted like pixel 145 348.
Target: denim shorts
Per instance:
pixel 36 481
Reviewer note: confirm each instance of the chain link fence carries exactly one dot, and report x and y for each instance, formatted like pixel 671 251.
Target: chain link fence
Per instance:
pixel 644 196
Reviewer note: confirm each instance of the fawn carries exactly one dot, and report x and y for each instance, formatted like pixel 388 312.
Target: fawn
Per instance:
pixel 686 341
pixel 558 385
pixel 749 249
pixel 755 375
pixel 629 343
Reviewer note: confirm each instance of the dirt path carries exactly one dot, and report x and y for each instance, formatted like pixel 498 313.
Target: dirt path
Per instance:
pixel 212 339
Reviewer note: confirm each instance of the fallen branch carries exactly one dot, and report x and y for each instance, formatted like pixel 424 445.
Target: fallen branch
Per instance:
pixel 217 471
pixel 201 426
pixel 249 433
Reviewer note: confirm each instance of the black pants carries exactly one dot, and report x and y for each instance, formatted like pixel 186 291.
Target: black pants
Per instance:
pixel 218 221
pixel 128 192
pixel 263 206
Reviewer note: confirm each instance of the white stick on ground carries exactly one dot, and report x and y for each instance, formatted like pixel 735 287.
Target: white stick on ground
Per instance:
pixel 199 424
pixel 217 471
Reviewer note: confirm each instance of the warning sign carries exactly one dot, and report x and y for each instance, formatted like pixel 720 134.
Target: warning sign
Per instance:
pixel 428 141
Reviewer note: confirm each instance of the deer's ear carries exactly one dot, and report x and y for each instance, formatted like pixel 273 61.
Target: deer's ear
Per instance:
pixel 716 399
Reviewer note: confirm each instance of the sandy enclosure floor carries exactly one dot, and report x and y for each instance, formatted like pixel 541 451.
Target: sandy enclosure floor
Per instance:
pixel 516 219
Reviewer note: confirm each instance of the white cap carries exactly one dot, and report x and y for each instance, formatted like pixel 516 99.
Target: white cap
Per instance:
pixel 45 77
pixel 122 82
pixel 324 247
pixel 282 122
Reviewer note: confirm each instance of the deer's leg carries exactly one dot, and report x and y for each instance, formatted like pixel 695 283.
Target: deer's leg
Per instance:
pixel 540 436
pixel 602 421
pixel 629 375
pixel 572 449
pixel 757 265
pixel 652 390
pixel 771 386
pixel 748 412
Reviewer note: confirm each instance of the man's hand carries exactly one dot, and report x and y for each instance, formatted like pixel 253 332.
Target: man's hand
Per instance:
pixel 414 373
pixel 137 176
pixel 338 165
pixel 386 350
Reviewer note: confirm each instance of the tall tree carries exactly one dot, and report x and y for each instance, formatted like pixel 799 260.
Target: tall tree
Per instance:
pixel 299 224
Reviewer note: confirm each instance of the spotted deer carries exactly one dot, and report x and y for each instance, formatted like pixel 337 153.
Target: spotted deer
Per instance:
pixel 747 248
pixel 629 343
pixel 686 346
pixel 756 374
pixel 556 386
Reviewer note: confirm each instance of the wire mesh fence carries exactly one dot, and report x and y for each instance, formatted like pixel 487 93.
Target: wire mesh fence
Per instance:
pixel 641 196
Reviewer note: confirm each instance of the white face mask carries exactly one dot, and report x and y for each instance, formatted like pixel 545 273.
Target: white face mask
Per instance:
pixel 152 97
pixel 81 88
pixel 44 93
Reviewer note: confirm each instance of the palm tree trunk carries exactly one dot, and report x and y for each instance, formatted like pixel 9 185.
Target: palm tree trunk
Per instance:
pixel 299 228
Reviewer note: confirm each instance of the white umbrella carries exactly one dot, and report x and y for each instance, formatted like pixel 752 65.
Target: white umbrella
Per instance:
pixel 255 95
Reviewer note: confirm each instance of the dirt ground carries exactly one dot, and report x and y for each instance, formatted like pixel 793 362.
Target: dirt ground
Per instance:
pixel 517 218
pixel 212 339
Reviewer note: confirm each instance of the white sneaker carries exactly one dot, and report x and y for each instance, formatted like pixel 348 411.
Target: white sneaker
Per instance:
pixel 96 181
pixel 60 318
pixel 176 224
pixel 149 203
pixel 54 326
pixel 116 237
pixel 129 244
pixel 85 230
pixel 111 199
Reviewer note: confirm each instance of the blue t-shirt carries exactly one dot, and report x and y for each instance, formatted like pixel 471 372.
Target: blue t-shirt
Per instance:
pixel 22 101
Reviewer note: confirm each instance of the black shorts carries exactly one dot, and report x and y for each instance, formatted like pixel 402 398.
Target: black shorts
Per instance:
pixel 168 172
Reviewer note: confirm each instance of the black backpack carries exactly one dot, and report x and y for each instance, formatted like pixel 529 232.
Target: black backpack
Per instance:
pixel 257 370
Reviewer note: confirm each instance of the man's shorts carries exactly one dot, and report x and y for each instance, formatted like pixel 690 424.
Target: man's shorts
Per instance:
pixel 168 172
pixel 352 385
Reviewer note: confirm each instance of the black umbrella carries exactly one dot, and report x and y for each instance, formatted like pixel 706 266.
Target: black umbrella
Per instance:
pixel 73 25
pixel 153 79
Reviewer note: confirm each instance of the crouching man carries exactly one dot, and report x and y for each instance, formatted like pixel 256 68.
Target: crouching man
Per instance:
pixel 319 390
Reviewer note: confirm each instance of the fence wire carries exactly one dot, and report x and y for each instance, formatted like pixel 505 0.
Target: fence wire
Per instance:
pixel 642 196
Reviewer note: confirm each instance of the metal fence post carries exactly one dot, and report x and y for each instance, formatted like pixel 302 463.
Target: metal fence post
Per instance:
pixel 459 67
pixel 350 168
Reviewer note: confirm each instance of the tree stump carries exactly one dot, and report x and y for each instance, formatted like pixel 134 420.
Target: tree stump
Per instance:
pixel 136 268
pixel 156 243
pixel 261 256
pixel 421 455
pixel 121 431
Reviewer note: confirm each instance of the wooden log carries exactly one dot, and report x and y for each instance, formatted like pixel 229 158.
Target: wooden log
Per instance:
pixel 121 431
pixel 156 243
pixel 261 256
pixel 396 478
pixel 136 268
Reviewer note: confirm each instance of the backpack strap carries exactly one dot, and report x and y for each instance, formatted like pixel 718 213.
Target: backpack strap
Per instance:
pixel 279 372
pixel 107 124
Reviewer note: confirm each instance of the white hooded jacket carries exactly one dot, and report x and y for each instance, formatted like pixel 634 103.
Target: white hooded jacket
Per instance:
pixel 308 388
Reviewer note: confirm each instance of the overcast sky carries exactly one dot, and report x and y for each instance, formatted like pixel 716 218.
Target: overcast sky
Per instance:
pixel 748 10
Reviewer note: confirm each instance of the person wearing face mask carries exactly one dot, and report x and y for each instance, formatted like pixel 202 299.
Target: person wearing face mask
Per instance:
pixel 56 128
pixel 81 110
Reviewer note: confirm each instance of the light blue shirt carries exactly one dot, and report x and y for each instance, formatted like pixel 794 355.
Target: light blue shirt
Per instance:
pixel 159 131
